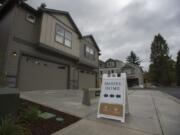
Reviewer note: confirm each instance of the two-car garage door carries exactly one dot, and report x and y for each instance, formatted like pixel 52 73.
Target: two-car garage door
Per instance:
pixel 87 80
pixel 37 74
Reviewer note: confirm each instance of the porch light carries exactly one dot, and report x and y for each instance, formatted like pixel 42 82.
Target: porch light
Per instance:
pixel 14 54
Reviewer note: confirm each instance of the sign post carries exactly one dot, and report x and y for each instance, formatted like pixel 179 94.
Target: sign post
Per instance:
pixel 113 98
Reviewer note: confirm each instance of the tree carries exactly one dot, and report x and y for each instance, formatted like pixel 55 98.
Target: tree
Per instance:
pixel 178 68
pixel 133 58
pixel 162 66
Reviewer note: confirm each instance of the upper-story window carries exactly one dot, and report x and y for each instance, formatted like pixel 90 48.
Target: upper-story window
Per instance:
pixel 89 53
pixel 63 36
pixel 109 72
pixel 31 18
pixel 89 50
pixel 110 64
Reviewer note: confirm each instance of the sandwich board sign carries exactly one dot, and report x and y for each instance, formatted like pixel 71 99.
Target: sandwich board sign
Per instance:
pixel 113 102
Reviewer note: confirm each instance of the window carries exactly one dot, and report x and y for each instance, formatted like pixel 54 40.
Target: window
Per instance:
pixel 68 38
pixel 37 62
pixel 110 64
pixel 31 18
pixel 92 51
pixel 63 36
pixel 109 72
pixel 59 34
pixel 61 67
pixel 89 51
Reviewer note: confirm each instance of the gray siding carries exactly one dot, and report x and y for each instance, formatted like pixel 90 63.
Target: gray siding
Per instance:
pixel 88 60
pixel 24 29
pixel 5 29
pixel 47 36
pixel 23 33
pixel 25 41
pixel 87 80
pixel 25 38
pixel 35 76
pixel 64 20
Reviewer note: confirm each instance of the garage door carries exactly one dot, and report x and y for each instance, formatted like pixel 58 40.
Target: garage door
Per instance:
pixel 133 82
pixel 87 80
pixel 36 74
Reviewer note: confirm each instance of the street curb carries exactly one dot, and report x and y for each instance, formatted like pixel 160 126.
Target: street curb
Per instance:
pixel 171 97
pixel 64 130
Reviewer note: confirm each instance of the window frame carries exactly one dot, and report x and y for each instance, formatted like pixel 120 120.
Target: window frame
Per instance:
pixel 88 53
pixel 30 20
pixel 64 36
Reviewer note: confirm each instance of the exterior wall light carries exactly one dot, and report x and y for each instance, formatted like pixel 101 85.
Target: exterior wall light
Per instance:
pixel 14 54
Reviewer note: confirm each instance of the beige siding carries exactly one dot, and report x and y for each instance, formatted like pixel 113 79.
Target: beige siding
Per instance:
pixel 64 20
pixel 47 36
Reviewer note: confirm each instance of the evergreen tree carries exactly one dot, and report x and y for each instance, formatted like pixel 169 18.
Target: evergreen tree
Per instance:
pixel 133 58
pixel 178 69
pixel 161 68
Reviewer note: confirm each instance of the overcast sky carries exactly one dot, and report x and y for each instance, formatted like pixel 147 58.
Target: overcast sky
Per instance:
pixel 120 26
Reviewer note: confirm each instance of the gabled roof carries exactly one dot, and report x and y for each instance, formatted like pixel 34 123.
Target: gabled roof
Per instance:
pixel 134 66
pixel 8 4
pixel 110 59
pixel 116 60
pixel 101 61
pixel 94 41
pixel 47 10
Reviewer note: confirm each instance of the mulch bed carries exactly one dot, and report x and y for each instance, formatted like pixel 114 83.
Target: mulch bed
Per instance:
pixel 46 126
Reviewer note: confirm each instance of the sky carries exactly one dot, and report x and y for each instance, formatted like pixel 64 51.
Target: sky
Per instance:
pixel 121 26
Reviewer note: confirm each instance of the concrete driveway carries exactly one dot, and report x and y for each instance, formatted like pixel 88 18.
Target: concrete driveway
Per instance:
pixel 69 101
pixel 151 113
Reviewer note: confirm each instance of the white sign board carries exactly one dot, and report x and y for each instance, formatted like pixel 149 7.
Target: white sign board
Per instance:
pixel 113 97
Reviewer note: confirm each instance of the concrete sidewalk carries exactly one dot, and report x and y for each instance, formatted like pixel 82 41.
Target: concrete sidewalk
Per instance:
pixel 151 113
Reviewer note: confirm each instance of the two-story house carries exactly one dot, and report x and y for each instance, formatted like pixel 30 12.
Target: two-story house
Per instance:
pixel 134 73
pixel 44 49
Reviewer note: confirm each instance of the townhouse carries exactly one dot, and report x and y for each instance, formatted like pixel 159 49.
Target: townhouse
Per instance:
pixel 44 49
pixel 134 73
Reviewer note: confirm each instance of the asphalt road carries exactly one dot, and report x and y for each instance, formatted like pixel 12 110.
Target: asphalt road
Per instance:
pixel 173 92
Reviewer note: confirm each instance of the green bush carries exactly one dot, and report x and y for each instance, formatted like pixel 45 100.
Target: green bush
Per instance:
pixel 9 127
pixel 31 114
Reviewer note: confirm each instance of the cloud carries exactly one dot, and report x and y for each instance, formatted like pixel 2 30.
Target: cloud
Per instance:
pixel 120 26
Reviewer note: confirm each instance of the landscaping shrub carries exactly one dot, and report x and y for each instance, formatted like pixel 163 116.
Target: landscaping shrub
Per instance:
pixel 9 127
pixel 30 114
